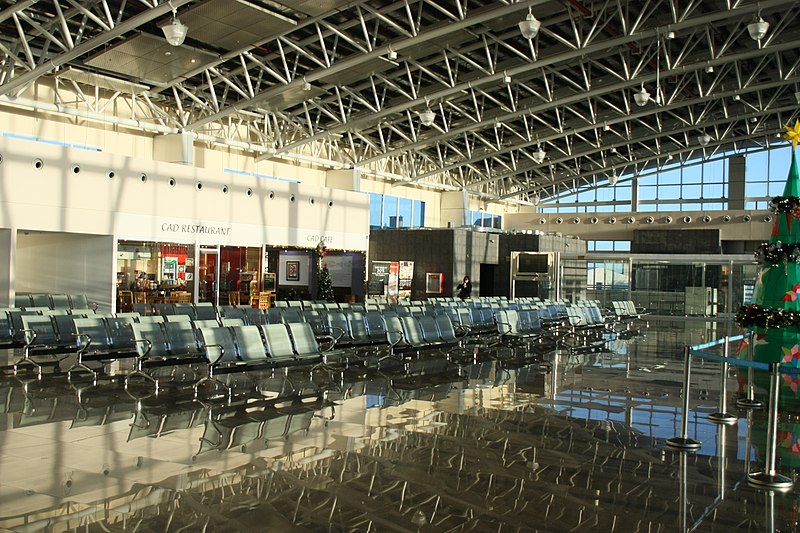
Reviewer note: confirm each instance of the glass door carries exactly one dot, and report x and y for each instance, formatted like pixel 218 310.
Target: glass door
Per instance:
pixel 208 275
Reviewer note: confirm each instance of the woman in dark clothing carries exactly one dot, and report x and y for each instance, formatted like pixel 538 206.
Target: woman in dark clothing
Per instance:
pixel 464 288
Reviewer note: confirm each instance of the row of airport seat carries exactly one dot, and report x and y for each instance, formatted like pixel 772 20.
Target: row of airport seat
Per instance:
pixel 229 345
pixel 53 301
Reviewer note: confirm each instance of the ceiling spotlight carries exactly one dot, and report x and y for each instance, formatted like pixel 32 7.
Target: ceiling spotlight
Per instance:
pixel 709 69
pixel 306 85
pixel 539 156
pixel 797 97
pixel 427 117
pixel 704 139
pixel 613 179
pixel 506 78
pixel 606 127
pixel 530 26
pixel 642 97
pixel 175 32
pixel 536 199
pixel 391 54
pixel 736 97
pixel 670 35
pixel 758 29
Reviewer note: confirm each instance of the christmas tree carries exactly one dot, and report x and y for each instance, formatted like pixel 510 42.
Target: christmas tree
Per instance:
pixel 324 285
pixel 775 316
pixel 324 282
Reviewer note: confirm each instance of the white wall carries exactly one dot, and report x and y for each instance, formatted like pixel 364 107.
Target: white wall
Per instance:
pixel 66 263
pixel 140 203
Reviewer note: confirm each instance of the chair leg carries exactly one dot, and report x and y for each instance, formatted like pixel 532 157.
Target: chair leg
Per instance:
pixel 81 365
pixel 143 374
pixel 26 360
pixel 211 379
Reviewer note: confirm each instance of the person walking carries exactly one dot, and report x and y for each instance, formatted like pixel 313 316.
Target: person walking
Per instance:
pixel 464 288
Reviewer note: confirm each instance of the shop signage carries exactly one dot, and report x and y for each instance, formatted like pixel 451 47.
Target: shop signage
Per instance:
pixel 195 228
pixel 316 239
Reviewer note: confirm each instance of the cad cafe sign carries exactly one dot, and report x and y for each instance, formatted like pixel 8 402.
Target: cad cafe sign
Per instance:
pixel 317 238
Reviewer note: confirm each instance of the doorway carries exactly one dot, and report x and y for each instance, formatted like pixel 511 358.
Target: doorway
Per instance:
pixel 208 275
pixel 486 281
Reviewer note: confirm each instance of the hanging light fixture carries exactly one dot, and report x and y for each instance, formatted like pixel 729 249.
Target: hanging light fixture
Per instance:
pixel 613 178
pixel 530 26
pixel 306 85
pixel 175 32
pixel 758 29
pixel 704 139
pixel 539 155
pixel 427 117
pixel 642 97
pixel 536 199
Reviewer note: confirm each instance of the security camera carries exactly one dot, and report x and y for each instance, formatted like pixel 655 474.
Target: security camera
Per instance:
pixel 747 218
pixel 559 220
pixel 612 220
pixel 648 220
pixel 767 218
pixel 706 219
pixel 630 220
pixel 687 219
pixel 726 218
pixel 668 220
pixel 576 220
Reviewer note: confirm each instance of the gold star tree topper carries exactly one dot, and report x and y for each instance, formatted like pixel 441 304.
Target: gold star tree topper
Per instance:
pixel 793 133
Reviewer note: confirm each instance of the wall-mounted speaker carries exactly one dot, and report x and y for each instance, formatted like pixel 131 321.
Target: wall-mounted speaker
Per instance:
pixel 612 220
pixel 649 220
pixel 687 219
pixel 747 218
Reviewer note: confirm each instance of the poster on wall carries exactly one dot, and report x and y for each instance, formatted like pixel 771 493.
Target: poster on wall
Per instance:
pixel 293 269
pixel 393 285
pixel 378 278
pixel 406 276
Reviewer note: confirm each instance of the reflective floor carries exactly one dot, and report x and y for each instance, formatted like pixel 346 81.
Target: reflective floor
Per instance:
pixel 557 442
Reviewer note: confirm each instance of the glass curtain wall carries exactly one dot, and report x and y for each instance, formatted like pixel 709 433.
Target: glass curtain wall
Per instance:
pixel 710 286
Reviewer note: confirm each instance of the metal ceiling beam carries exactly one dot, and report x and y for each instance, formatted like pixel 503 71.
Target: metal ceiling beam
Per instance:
pixel 87 46
pixel 352 62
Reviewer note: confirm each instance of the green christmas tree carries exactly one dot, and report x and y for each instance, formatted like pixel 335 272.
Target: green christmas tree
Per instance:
pixel 325 285
pixel 324 282
pixel 775 316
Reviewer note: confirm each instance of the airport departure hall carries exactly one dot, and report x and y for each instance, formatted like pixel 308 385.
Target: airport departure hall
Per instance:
pixel 423 265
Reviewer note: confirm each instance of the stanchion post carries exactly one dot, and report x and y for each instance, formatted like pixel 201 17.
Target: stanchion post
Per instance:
pixel 769 479
pixel 683 442
pixel 750 401
pixel 722 416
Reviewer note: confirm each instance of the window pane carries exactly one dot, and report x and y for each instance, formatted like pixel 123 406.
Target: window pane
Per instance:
pixel 375 205
pixel 404 220
pixel 390 211
pixel 419 213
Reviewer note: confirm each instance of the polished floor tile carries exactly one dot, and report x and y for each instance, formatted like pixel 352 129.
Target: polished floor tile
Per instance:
pixel 494 440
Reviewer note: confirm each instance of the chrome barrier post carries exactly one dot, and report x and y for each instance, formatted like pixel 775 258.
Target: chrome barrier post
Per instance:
pixel 721 416
pixel 750 402
pixel 683 442
pixel 769 479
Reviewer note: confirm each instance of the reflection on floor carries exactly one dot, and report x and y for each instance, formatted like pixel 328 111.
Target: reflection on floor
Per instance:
pixel 567 442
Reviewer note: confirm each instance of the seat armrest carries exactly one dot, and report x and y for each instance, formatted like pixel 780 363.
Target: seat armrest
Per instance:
pixel 221 352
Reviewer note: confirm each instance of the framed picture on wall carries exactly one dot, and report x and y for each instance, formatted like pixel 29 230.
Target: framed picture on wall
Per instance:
pixel 292 270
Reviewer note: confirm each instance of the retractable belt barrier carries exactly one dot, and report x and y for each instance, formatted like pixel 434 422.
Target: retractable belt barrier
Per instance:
pixel 768 478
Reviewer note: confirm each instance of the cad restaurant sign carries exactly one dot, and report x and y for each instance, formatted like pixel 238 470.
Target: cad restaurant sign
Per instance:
pixel 211 232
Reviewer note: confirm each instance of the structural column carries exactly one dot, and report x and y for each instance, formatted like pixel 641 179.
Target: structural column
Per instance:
pixel 8 248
